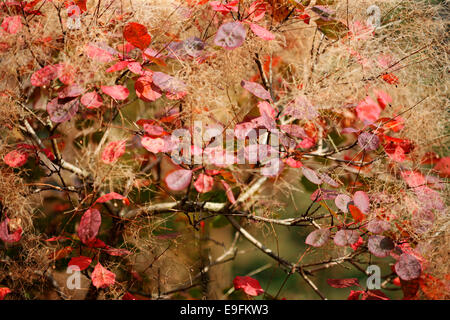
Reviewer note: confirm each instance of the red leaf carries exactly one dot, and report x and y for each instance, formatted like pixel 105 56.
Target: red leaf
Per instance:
pixel 305 17
pixel 57 238
pixel 137 35
pixel 71 91
pixel 110 196
pixel 12 25
pixel 179 179
pixel 116 252
pixel 224 7
pixel 45 75
pixel 443 167
pixel 102 277
pixel 118 66
pixel 81 262
pixel 354 295
pixel 261 32
pixel 249 285
pixel 92 100
pixel 390 78
pixel 431 286
pixel 3 292
pixel 153 145
pixel 383 98
pixel 291 162
pixel 343 283
pixel 96 243
pixel 9 237
pixel 398 155
pixel 60 254
pixel 374 295
pixel 128 296
pixel 265 108
pixel 81 4
pixel 154 130
pixel 256 89
pixel 146 90
pixel 113 151
pixel 368 110
pixel 357 244
pixel 257 10
pixel 16 159
pixel 136 68
pixel 410 288
pixel 89 225
pixel 204 183
pixel 100 52
pixel 117 92
pixel 318 237
pixel 357 215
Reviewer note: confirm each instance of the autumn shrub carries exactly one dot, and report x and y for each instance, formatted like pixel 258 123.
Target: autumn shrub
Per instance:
pixel 117 118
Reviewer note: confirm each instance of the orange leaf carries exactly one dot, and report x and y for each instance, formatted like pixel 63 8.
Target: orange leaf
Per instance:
pixel 137 35
pixel 357 215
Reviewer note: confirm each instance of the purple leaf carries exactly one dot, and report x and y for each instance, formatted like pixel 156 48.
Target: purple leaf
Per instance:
pixel 429 198
pixel 301 109
pixel 179 180
pixel 231 35
pixel 378 226
pixel 62 112
pixel 368 141
pixel 294 130
pixel 327 179
pixel 71 91
pixel 256 89
pixel 346 237
pixel 311 175
pixel 169 83
pixel 6 236
pixel 343 283
pixel 323 194
pixel 342 201
pixel 408 267
pixel 192 46
pixel 89 225
pixel 380 246
pixel 318 238
pixel 361 200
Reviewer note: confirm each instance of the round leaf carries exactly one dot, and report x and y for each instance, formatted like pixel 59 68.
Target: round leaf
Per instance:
pixel 230 35
pixel 346 237
pixel 408 267
pixel 318 237
pixel 179 179
pixel 378 246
